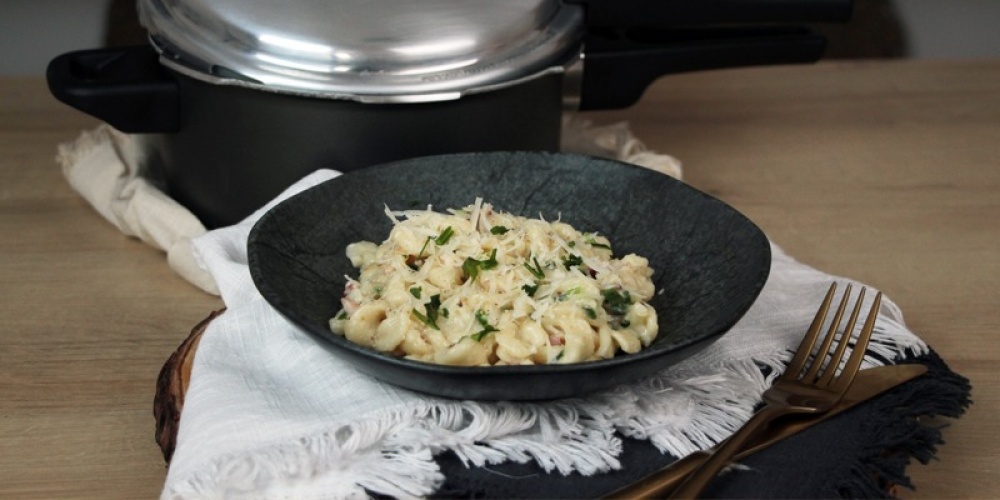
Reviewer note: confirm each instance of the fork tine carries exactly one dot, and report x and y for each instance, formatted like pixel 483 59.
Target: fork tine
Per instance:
pixel 806 346
pixel 824 348
pixel 858 354
pixel 845 339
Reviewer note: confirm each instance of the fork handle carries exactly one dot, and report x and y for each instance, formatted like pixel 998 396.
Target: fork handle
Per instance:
pixel 723 455
pixel 664 481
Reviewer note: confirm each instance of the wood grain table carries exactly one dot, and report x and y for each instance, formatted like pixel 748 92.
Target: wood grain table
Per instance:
pixel 884 171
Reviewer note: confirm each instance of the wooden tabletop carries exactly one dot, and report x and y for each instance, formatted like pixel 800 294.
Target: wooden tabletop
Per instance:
pixel 885 172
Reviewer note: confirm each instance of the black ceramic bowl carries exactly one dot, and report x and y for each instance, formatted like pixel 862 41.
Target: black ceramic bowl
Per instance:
pixel 709 260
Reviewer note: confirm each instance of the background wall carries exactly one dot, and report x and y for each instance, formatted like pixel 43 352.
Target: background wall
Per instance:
pixel 951 28
pixel 32 32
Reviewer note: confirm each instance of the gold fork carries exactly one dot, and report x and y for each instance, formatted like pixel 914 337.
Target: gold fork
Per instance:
pixel 815 391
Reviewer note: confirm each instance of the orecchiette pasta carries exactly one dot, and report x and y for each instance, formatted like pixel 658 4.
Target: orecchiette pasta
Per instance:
pixel 476 286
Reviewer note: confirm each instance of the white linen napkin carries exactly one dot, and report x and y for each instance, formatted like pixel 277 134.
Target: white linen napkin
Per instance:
pixel 105 167
pixel 270 413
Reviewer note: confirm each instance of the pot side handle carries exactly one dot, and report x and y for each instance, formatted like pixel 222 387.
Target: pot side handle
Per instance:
pixel 617 69
pixel 125 87
pixel 681 13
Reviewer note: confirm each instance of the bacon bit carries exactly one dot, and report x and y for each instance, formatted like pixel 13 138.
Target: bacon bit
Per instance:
pixel 556 339
pixel 413 262
pixel 349 305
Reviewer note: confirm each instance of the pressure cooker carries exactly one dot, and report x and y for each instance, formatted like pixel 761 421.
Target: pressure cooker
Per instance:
pixel 231 101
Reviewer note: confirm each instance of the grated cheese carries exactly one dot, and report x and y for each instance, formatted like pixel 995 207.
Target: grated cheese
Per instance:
pixel 477 286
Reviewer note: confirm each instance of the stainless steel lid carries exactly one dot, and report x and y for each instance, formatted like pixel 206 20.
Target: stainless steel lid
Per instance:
pixel 365 50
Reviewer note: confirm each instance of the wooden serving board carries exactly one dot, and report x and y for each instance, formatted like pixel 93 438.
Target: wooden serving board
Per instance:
pixel 172 385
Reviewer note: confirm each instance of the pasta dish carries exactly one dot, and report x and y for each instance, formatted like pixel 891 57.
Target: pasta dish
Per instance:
pixel 477 286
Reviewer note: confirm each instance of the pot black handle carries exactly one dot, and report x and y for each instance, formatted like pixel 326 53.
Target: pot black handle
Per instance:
pixel 126 87
pixel 686 13
pixel 617 69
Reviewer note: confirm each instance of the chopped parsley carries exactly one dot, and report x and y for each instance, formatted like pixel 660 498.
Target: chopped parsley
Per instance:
pixel 572 260
pixel 530 289
pixel 479 336
pixel 593 242
pixel 444 236
pixel 616 303
pixel 415 291
pixel 535 271
pixel 471 267
pixel 420 255
pixel 482 318
pixel 414 261
pixel 499 230
pixel 591 313
pixel 431 311
pixel 483 321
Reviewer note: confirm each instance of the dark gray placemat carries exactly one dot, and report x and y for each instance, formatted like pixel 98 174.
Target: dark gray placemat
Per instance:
pixel 861 453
